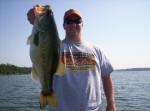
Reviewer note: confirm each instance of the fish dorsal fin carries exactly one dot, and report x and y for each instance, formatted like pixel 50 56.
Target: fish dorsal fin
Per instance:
pixel 29 39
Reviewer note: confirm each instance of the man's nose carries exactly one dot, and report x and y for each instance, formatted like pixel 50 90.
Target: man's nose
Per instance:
pixel 73 24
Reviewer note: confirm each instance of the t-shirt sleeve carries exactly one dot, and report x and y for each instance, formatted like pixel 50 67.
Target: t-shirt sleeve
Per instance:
pixel 105 65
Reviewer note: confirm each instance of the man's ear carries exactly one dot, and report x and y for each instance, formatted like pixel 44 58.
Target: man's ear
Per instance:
pixel 82 24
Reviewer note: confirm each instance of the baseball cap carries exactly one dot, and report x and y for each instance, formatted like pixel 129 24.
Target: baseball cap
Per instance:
pixel 72 12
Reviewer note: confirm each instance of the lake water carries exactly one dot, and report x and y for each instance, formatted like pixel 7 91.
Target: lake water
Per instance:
pixel 132 92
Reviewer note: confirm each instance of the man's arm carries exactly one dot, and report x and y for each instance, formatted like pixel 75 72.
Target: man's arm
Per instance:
pixel 109 92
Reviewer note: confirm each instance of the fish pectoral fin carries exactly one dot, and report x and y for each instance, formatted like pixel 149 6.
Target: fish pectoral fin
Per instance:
pixel 34 73
pixel 48 100
pixel 29 39
pixel 60 68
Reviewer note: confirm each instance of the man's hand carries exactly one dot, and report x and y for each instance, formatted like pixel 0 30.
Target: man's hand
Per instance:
pixel 111 107
pixel 32 13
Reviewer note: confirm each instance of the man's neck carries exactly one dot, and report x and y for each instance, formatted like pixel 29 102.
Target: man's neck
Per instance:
pixel 73 38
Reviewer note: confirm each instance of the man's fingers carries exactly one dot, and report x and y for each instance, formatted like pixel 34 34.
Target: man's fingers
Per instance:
pixel 36 11
pixel 39 10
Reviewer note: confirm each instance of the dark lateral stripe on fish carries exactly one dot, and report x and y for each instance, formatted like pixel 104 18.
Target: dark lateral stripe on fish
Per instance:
pixel 36 39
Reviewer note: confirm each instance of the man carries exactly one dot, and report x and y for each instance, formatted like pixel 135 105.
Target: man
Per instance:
pixel 79 88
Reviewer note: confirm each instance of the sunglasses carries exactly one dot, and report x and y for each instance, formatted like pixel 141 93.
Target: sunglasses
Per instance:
pixel 77 21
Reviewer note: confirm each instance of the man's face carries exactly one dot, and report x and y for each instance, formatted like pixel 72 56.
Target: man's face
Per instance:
pixel 73 29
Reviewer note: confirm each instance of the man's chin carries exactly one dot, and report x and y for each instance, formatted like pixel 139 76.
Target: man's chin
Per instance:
pixel 73 34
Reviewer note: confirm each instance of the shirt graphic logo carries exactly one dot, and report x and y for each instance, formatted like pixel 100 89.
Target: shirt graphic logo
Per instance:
pixel 78 61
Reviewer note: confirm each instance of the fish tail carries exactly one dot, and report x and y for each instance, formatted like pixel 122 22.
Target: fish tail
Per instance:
pixel 48 100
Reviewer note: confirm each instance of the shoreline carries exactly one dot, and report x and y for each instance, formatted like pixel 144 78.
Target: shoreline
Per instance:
pixel 12 74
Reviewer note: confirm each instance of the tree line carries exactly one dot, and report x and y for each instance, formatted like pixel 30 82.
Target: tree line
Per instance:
pixel 12 69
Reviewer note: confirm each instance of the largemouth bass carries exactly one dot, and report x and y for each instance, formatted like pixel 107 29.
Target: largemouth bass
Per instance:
pixel 44 54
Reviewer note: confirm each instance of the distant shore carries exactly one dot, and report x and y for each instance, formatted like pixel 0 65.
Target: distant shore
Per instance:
pixel 12 74
pixel 9 69
pixel 134 69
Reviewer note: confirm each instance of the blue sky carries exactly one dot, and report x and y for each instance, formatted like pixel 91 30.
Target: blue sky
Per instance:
pixel 121 28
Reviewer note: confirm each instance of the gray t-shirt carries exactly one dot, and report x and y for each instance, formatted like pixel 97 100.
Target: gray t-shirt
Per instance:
pixel 79 88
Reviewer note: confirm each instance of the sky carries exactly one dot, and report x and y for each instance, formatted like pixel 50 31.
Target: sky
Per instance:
pixel 121 28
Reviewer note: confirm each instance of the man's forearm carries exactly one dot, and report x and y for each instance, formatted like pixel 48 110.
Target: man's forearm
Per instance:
pixel 109 91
